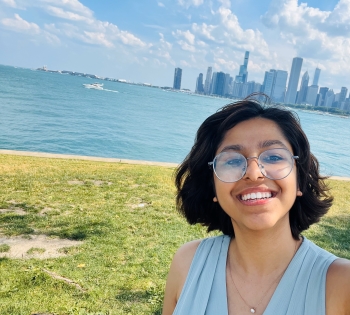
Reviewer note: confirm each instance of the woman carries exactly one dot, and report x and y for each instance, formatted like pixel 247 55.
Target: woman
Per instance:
pixel 251 175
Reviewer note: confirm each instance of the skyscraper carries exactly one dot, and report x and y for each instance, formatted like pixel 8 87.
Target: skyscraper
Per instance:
pixel 343 94
pixel 199 84
pixel 219 87
pixel 208 80
pixel 268 82
pixel 303 88
pixel 311 95
pixel 322 96
pixel 177 79
pixel 279 86
pixel 316 76
pixel 293 80
pixel 243 70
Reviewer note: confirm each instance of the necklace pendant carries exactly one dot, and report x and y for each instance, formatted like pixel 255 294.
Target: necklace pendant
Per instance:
pixel 253 310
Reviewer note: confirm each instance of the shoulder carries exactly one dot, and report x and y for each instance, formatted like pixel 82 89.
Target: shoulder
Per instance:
pixel 177 275
pixel 338 287
pixel 180 268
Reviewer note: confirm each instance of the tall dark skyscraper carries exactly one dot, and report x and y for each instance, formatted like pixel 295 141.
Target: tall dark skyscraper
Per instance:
pixel 243 70
pixel 219 87
pixel 199 84
pixel 293 80
pixel 177 79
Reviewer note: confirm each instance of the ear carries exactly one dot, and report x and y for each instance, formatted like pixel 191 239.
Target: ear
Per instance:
pixel 299 193
pixel 215 199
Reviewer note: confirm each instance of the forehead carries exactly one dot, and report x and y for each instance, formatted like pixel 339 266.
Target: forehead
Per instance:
pixel 255 133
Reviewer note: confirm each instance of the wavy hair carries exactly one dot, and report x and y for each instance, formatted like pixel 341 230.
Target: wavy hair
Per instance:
pixel 194 179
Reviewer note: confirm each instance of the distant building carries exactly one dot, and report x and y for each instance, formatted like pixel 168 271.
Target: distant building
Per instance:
pixel 237 89
pixel 322 96
pixel 311 95
pixel 213 83
pixel 279 86
pixel 343 94
pixel 303 88
pixel 316 76
pixel 293 80
pixel 227 84
pixel 329 98
pixel 177 79
pixel 208 80
pixel 242 77
pixel 199 84
pixel 269 79
pixel 219 87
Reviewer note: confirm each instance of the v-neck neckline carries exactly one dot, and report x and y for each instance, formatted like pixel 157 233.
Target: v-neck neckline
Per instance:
pixel 280 283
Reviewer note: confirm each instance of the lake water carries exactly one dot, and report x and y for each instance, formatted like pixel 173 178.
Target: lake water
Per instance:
pixel 51 112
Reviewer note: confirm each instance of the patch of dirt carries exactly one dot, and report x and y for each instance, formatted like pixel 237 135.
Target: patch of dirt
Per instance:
pixel 95 182
pixel 18 211
pixel 136 202
pixel 20 247
pixel 76 182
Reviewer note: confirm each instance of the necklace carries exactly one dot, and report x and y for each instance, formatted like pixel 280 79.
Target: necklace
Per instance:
pixel 253 308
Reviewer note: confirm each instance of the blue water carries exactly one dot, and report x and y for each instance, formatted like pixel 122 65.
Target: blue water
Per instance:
pixel 51 112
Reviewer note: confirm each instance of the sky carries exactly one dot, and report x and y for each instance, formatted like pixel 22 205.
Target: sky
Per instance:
pixel 143 41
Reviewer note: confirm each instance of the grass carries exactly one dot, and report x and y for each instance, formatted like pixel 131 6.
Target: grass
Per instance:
pixel 126 217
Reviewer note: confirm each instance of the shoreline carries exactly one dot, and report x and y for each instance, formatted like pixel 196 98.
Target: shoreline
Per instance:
pixel 85 158
pixel 108 160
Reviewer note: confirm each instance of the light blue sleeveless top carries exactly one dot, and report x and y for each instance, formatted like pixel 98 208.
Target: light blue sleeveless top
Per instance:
pixel 302 289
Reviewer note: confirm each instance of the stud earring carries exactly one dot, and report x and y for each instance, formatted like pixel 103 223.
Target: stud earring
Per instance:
pixel 215 199
pixel 299 193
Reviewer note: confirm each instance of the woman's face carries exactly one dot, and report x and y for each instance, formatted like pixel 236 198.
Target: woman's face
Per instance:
pixel 256 203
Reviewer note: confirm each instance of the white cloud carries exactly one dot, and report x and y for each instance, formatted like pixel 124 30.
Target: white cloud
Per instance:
pixel 97 38
pixel 10 3
pixel 205 31
pixel 59 12
pixel 20 25
pixel 160 4
pixel 162 49
pixel 73 5
pixel 188 3
pixel 190 38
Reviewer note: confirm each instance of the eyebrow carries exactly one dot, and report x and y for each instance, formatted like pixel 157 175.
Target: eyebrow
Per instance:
pixel 261 145
pixel 269 143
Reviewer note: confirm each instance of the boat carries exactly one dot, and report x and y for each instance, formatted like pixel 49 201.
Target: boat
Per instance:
pixel 96 86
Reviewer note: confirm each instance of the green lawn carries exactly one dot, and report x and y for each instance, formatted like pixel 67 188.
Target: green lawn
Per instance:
pixel 126 218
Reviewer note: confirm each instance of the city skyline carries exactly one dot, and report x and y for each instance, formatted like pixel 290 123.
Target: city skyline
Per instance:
pixel 145 41
pixel 274 86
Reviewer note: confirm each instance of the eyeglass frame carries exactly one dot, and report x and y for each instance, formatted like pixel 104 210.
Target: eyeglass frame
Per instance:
pixel 294 157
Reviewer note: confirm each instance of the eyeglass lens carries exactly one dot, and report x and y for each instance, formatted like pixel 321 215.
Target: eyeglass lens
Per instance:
pixel 230 166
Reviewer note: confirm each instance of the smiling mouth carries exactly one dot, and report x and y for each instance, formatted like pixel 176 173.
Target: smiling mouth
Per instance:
pixel 257 196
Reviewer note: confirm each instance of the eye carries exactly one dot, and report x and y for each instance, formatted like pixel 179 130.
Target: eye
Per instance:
pixel 272 158
pixel 234 162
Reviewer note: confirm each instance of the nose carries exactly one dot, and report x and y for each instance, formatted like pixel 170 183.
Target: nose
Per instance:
pixel 253 171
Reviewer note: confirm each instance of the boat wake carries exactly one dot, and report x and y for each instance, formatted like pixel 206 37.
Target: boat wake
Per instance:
pixel 98 86
pixel 114 91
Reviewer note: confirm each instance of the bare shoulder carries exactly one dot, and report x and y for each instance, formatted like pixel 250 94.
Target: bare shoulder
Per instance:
pixel 177 275
pixel 338 287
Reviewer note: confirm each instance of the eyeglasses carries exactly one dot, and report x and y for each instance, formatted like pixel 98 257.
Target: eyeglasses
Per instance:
pixel 231 166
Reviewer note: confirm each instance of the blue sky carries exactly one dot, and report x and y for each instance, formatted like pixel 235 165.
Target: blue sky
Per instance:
pixel 144 40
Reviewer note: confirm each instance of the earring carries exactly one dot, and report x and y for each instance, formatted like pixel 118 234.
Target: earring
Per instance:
pixel 299 193
pixel 215 199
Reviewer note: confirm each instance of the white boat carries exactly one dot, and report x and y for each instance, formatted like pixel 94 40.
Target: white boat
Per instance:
pixel 96 86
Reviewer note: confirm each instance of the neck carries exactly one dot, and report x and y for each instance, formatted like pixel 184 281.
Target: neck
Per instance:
pixel 263 255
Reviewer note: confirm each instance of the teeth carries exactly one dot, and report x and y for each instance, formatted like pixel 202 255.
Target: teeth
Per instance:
pixel 258 195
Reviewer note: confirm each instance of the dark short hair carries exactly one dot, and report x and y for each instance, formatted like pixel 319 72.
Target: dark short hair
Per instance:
pixel 194 178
